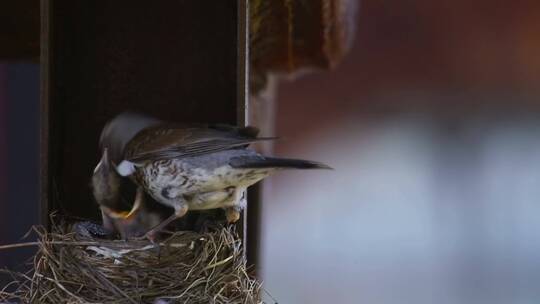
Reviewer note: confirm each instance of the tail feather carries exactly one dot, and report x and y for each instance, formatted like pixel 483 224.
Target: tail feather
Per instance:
pixel 274 162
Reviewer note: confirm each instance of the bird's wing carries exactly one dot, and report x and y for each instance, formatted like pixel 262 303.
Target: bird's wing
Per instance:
pixel 170 141
pixel 120 130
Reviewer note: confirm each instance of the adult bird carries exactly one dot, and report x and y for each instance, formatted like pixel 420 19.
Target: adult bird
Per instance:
pixel 191 167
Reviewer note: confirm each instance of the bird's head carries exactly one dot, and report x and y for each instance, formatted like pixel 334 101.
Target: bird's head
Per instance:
pixel 120 130
pixel 106 182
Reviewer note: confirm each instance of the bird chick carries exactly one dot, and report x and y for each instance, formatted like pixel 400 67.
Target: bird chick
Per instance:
pixel 106 186
pixel 196 167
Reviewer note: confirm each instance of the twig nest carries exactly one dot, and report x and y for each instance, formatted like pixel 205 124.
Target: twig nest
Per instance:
pixel 187 267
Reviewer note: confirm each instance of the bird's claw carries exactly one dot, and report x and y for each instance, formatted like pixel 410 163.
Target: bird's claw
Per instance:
pixel 232 214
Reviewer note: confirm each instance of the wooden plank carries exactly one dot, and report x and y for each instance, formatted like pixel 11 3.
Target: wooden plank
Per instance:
pixel 45 48
pixel 242 110
pixel 3 152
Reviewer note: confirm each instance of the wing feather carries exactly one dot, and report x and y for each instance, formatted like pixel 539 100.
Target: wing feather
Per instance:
pixel 167 142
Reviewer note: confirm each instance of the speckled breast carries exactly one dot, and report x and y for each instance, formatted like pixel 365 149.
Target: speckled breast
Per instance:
pixel 164 177
pixel 156 176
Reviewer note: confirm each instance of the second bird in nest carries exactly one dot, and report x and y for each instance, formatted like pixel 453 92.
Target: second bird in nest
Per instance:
pixel 186 167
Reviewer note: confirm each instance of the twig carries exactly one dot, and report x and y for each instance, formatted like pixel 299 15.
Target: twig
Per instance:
pixel 30 244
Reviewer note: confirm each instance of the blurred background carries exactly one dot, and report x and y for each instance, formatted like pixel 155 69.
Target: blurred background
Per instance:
pixel 19 158
pixel 432 124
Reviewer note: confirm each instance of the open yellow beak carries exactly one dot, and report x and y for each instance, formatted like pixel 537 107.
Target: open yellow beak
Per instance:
pixel 126 215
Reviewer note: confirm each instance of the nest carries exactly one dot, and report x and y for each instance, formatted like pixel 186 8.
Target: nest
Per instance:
pixel 187 267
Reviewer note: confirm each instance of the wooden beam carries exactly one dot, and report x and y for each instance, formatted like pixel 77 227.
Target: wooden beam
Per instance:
pixel 242 110
pixel 45 50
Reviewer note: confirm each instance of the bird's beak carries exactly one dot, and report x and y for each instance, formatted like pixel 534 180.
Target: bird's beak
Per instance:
pixel 103 164
pixel 126 215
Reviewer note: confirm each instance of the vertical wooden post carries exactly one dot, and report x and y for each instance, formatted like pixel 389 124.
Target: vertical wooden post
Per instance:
pixel 44 184
pixel 243 86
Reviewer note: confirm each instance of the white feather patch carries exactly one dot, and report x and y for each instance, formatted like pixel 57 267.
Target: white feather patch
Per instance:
pixel 125 168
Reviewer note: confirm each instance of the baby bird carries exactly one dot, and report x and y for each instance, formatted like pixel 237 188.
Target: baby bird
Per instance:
pixel 193 167
pixel 106 186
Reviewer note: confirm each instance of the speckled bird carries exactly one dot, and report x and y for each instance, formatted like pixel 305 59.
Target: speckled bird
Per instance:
pixel 191 167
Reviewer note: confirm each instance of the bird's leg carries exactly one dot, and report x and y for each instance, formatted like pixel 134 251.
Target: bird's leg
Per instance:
pixel 233 214
pixel 239 202
pixel 179 211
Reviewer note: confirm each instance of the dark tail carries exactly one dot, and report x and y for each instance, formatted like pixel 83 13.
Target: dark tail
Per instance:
pixel 273 162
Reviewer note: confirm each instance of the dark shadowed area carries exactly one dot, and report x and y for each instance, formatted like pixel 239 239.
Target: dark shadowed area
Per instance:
pixel 19 159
